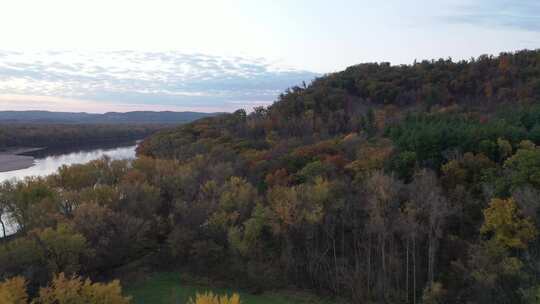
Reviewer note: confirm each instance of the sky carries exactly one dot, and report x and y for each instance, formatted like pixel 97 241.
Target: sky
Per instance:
pixel 125 55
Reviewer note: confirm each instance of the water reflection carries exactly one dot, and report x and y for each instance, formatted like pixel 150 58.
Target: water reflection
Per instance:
pixel 10 227
pixel 46 165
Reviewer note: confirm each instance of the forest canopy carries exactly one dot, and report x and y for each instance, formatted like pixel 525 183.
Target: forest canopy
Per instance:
pixel 386 184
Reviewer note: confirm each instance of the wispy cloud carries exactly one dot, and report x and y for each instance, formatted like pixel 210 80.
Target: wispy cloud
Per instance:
pixel 517 14
pixel 144 79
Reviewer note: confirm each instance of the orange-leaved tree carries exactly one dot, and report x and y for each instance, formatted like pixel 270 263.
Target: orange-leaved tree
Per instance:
pixel 13 291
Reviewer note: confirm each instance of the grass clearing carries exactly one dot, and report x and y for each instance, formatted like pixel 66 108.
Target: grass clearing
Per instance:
pixel 175 288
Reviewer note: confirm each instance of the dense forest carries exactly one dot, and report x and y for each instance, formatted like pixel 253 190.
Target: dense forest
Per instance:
pixel 379 184
pixel 69 135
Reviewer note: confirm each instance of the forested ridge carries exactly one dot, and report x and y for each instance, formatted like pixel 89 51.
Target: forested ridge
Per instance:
pixel 379 184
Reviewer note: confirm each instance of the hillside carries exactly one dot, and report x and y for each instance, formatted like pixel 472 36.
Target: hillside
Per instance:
pixel 380 182
pixel 137 117
pixel 368 97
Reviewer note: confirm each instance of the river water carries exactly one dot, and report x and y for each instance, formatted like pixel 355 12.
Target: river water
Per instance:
pixel 46 164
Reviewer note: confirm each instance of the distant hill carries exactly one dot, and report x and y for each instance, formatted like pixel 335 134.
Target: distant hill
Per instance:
pixel 137 117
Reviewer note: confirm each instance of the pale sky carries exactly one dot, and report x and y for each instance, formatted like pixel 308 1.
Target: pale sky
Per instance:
pixel 216 55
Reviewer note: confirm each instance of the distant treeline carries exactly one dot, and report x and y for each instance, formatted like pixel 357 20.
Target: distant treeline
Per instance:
pixel 137 117
pixel 63 135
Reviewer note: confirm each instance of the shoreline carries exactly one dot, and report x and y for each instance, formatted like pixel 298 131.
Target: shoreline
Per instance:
pixel 19 158
pixel 13 159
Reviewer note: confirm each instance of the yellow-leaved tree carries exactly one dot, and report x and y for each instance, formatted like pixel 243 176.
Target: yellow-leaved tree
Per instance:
pixel 211 298
pixel 13 291
pixel 63 290
pixel 502 219
pixel 497 259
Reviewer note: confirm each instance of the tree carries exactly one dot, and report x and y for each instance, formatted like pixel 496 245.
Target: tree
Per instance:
pixel 63 290
pixel 507 227
pixel 496 263
pixel 410 227
pixel 383 200
pixel 315 169
pixel 13 291
pixel 62 248
pixel 77 177
pixel 44 252
pixel 524 168
pixel 20 255
pixel 295 206
pixel 5 198
pixel 31 204
pixel 370 123
pixel 496 272
pixel 531 295
pixel 467 171
pixel 505 148
pixel 489 148
pixel 285 204
pixel 238 197
pixel 434 294
pixel 114 237
pixel 211 298
pixel 248 239
pixel 426 195
pixel 403 164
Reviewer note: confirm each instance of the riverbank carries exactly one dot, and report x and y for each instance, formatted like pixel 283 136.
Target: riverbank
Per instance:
pixel 14 159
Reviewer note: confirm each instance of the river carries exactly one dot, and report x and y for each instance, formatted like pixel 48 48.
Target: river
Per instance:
pixel 46 162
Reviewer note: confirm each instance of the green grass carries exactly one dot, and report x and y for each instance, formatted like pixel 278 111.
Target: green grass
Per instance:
pixel 172 288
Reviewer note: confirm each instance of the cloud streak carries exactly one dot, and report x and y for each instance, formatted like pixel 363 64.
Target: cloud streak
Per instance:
pixel 145 79
pixel 521 15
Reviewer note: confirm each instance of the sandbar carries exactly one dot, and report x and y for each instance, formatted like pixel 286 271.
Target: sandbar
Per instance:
pixel 11 159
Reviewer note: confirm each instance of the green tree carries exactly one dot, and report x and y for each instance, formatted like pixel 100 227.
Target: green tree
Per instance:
pixel 32 204
pixel 62 248
pixel 504 148
pixel 524 168
pixel 404 164
pixel 370 124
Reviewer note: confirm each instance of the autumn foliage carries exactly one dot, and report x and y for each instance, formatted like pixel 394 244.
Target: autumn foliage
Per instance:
pixel 211 298
pixel 379 184
pixel 63 290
